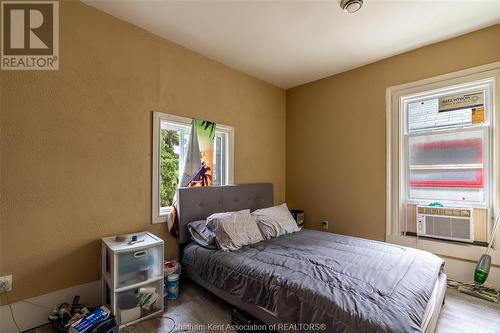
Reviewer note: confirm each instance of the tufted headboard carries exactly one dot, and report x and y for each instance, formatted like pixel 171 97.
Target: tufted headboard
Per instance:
pixel 197 203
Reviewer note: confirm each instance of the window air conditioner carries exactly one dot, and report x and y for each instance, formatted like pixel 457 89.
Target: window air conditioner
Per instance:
pixel 450 223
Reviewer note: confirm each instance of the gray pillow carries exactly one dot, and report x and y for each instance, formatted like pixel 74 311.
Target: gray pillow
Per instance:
pixel 234 230
pixel 202 235
pixel 275 221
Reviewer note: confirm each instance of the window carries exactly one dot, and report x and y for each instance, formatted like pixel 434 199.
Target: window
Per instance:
pixel 446 143
pixel 443 147
pixel 170 140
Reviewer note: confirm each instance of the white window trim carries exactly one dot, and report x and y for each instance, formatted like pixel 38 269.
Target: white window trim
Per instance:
pixel 159 215
pixel 394 149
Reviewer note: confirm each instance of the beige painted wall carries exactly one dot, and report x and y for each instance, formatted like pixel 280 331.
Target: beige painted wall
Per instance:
pixel 76 143
pixel 336 132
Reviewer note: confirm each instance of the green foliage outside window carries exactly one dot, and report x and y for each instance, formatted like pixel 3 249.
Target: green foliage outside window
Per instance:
pixel 169 166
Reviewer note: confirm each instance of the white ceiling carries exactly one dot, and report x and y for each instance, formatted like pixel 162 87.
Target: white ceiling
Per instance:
pixel 288 43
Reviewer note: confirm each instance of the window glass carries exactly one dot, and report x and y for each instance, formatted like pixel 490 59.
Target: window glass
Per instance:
pixel 173 145
pixel 217 177
pixel 445 111
pixel 174 139
pixel 446 146
pixel 426 115
pixel 169 165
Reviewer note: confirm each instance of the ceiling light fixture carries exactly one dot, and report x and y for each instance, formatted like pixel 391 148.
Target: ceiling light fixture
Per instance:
pixel 351 6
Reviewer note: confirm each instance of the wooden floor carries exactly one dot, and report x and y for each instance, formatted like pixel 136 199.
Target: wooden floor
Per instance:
pixel 196 306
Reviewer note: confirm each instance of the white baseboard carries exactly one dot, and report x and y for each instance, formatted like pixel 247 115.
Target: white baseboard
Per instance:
pixel 29 315
pixel 460 259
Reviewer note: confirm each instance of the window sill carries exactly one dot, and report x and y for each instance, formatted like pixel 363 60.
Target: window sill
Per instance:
pixel 447 241
pixel 163 216
pixel 467 252
pixel 159 219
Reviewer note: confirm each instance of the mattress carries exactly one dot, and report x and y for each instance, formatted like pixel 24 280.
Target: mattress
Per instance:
pixel 431 305
pixel 340 283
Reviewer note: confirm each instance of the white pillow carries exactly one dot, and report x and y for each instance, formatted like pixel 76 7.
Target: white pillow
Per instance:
pixel 275 221
pixel 234 229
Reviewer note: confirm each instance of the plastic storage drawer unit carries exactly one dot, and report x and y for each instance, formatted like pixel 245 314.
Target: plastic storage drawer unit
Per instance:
pixel 139 266
pixel 137 303
pixel 132 277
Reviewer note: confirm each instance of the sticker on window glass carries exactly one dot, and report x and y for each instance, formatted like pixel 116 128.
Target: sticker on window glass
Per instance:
pixel 461 101
pixel 478 115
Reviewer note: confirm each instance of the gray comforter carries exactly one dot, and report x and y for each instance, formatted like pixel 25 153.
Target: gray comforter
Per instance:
pixel 347 283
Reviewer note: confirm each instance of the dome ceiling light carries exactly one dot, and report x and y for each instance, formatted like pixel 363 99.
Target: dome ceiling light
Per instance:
pixel 351 6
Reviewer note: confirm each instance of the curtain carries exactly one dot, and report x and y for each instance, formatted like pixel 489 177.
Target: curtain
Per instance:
pixel 197 166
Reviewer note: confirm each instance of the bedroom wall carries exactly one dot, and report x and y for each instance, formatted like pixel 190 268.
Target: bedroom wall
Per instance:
pixel 336 158
pixel 336 132
pixel 76 143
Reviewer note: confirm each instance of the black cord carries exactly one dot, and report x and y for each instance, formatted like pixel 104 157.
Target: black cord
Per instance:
pixel 23 301
pixel 173 323
pixel 11 311
pixel 127 326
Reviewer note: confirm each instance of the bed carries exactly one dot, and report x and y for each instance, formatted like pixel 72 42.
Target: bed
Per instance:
pixel 311 280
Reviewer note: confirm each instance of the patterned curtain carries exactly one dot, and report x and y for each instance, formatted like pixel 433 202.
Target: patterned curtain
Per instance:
pixel 198 164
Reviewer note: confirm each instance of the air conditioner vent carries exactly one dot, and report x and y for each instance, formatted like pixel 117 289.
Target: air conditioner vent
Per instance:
pixel 445 223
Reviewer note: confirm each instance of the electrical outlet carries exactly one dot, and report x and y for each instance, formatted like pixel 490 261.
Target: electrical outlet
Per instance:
pixel 325 224
pixel 5 283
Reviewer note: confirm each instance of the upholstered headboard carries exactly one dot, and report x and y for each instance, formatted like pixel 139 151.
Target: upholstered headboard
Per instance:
pixel 197 203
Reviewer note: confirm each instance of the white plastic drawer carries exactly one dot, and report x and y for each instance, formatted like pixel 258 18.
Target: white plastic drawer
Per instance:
pixel 138 266
pixel 139 302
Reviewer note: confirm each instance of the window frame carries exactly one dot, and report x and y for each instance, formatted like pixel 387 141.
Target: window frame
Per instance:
pixel 160 214
pixel 395 150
